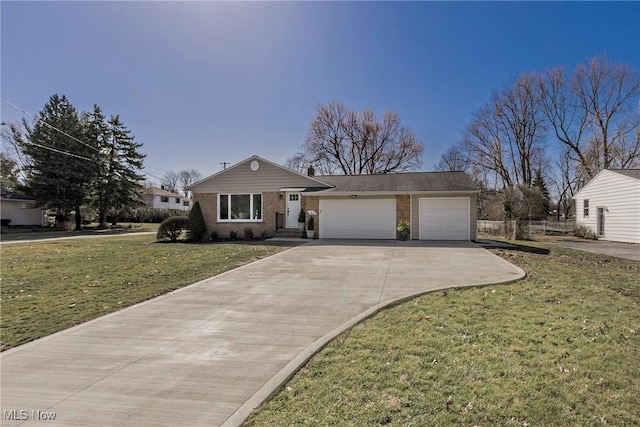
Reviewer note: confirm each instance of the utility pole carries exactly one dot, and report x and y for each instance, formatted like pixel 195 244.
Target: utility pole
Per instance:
pixel 224 164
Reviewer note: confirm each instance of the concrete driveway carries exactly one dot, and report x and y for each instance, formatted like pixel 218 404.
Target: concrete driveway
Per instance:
pixel 208 354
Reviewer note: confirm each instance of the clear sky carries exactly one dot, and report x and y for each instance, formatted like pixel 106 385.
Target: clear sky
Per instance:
pixel 200 83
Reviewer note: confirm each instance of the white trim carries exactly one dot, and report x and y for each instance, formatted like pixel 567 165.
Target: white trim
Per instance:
pixel 251 209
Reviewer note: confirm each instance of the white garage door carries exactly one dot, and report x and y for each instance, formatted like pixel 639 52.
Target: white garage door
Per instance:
pixel 357 218
pixel 444 218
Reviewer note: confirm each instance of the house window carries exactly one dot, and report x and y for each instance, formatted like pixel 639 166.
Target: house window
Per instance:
pixel 178 200
pixel 585 208
pixel 240 207
pixel 185 203
pixel 164 199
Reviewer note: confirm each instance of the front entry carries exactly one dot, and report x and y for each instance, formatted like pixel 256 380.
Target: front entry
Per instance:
pixel 293 209
pixel 600 220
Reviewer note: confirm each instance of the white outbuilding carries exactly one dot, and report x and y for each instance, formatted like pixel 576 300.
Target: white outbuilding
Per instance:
pixel 610 205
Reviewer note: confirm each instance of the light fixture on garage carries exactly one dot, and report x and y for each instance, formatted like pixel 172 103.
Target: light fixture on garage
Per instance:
pixel 353 196
pixel 280 196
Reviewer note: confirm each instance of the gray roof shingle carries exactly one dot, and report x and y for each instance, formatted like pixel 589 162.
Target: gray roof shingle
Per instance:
pixel 398 182
pixel 633 173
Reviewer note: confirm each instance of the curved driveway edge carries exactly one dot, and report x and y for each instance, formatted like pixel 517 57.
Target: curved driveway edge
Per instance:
pixel 210 353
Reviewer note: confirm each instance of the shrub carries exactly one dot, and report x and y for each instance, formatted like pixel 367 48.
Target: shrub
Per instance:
pixel 248 233
pixel 301 216
pixel 584 233
pixel 171 228
pixel 233 234
pixel 310 224
pixel 264 235
pixel 214 235
pixel 196 226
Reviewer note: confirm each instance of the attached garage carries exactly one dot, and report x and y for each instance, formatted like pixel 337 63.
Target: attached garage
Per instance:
pixel 444 218
pixel 358 218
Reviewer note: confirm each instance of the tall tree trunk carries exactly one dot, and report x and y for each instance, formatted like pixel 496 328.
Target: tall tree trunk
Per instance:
pixel 78 219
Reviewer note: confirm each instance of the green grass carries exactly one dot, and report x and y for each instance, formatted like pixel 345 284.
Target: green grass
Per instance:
pixel 49 286
pixel 558 348
pixel 16 234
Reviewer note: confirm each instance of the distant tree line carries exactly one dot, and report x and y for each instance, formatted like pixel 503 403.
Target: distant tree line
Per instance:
pixel 557 128
pixel 75 162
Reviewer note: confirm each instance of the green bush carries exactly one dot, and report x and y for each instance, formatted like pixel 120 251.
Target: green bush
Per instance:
pixel 196 226
pixel 146 214
pixel 301 216
pixel 215 235
pixel 248 233
pixel 171 228
pixel 233 234
pixel 310 224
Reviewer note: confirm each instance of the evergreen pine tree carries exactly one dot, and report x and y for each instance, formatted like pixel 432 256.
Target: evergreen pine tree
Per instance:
pixel 538 183
pixel 95 130
pixel 62 165
pixel 124 179
pixel 196 226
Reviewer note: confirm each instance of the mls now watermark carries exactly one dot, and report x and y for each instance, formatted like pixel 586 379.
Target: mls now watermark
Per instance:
pixel 23 415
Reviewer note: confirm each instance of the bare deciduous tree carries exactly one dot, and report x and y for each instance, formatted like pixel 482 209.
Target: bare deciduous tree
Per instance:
pixel 170 181
pixel 506 137
pixel 344 141
pixel 453 160
pixel 188 177
pixel 594 113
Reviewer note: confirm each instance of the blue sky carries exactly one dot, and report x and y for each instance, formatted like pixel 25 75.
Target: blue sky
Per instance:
pixel 200 83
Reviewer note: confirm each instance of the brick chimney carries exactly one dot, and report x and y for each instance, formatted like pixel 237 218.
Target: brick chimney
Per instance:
pixel 310 171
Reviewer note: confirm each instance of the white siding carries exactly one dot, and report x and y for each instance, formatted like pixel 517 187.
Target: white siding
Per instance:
pixel 620 196
pixel 10 209
pixel 359 218
pixel 171 204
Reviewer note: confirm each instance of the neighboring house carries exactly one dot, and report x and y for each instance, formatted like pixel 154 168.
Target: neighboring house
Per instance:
pixel 267 197
pixel 610 205
pixel 20 209
pixel 157 197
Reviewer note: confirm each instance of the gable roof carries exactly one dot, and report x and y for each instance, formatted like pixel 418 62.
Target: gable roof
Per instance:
pixel 268 176
pixel 13 195
pixel 626 173
pixel 399 182
pixel 633 173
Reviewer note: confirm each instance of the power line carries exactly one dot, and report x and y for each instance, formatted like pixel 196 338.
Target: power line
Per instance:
pixel 55 150
pixel 47 124
pixel 64 133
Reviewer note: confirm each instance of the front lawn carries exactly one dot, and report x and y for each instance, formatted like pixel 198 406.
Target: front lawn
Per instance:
pixel 51 285
pixel 558 348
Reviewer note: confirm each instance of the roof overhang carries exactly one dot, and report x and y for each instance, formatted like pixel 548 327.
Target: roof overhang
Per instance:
pixel 330 193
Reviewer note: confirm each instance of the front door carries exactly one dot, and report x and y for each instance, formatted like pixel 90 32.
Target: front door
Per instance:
pixel 600 220
pixel 293 209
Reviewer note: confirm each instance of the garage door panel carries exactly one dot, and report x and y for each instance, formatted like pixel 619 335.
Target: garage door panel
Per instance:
pixel 357 218
pixel 444 218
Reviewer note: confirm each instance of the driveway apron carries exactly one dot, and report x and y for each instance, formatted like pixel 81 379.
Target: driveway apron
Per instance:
pixel 208 354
